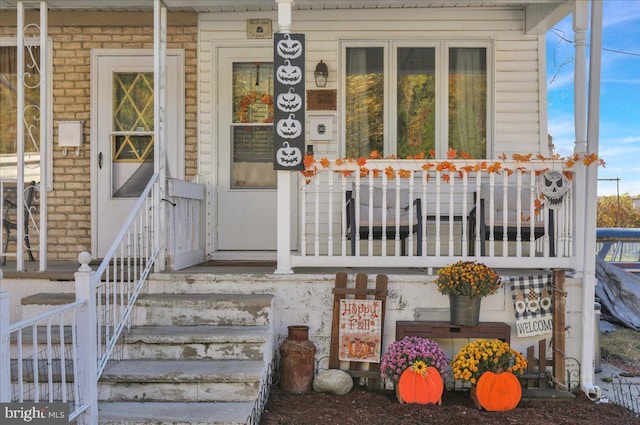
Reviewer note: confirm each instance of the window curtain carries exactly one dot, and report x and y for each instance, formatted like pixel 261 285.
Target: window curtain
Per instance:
pixel 467 100
pixel 364 101
pixel 358 127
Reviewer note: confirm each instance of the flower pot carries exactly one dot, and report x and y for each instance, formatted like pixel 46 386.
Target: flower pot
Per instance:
pixel 465 310
pixel 474 397
pixel 398 396
pixel 297 355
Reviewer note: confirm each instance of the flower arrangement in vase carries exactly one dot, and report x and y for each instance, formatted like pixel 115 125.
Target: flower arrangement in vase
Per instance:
pixel 466 283
pixel 415 365
pixel 489 365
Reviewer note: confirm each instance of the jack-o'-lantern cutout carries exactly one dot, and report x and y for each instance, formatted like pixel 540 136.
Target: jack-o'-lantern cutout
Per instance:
pixel 289 101
pixel 289 74
pixel 289 128
pixel 288 156
pixel 288 48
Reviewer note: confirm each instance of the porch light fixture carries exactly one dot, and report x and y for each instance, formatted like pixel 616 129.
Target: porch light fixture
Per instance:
pixel 321 73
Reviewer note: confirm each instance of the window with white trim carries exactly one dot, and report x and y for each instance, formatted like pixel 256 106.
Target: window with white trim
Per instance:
pixel 404 99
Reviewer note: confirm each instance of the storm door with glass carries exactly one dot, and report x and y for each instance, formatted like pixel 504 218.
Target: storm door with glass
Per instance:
pixel 246 179
pixel 124 158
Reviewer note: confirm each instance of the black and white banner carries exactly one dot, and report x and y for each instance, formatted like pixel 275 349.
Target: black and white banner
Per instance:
pixel 532 301
pixel 288 91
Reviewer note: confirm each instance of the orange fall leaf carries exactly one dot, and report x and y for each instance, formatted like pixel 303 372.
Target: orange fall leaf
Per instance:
pixel 308 160
pixel 389 172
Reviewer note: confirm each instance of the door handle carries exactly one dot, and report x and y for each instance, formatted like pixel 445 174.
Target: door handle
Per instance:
pixel 100 160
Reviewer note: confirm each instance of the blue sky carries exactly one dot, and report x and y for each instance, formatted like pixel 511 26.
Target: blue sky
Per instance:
pixel 620 94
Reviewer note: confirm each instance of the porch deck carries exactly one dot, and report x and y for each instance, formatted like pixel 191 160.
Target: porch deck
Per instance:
pixel 64 270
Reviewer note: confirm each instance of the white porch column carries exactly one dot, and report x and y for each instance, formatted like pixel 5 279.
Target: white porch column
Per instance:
pixel 283 225
pixel 591 198
pixel 44 135
pixel 20 133
pixel 283 228
pixel 284 15
pixel 159 128
pixel 580 25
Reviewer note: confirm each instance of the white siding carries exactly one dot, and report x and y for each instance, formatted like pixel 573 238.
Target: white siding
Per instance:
pixel 517 113
pixel 518 89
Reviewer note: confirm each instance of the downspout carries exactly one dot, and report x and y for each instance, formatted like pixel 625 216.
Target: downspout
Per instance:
pixel 591 178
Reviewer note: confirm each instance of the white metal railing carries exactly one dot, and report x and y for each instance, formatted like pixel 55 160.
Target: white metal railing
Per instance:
pixel 45 364
pixel 70 346
pixel 9 217
pixel 358 215
pixel 123 272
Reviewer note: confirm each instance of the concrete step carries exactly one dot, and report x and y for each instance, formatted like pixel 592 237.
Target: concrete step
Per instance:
pixel 163 413
pixel 182 380
pixel 196 342
pixel 203 309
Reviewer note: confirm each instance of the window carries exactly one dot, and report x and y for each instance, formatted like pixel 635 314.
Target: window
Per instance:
pixel 252 127
pixel 8 98
pixel 407 98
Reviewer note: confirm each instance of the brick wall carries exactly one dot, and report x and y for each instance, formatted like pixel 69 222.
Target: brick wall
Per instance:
pixel 69 205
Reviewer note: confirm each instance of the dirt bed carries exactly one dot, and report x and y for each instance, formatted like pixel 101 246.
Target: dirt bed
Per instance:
pixel 382 408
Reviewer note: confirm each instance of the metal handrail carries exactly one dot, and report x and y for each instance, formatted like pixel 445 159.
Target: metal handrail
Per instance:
pixel 128 261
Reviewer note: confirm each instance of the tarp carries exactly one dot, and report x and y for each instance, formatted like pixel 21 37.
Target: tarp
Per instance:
pixel 619 294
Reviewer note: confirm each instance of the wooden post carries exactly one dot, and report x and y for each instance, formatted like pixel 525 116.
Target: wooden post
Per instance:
pixel 559 302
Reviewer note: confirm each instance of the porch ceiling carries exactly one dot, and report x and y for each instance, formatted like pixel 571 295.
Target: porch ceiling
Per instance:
pixel 540 15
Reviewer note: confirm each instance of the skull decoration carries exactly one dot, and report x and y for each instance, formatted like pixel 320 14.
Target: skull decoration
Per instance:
pixel 289 128
pixel 288 156
pixel 289 74
pixel 553 185
pixel 290 101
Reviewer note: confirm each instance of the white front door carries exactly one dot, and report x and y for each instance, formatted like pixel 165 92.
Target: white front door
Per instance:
pixel 122 126
pixel 246 204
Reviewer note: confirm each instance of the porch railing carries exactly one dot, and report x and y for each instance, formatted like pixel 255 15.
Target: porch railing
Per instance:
pixel 186 224
pixel 457 210
pixel 45 365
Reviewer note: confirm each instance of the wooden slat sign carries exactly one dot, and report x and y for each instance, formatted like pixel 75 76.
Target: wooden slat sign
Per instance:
pixel 289 93
pixel 360 330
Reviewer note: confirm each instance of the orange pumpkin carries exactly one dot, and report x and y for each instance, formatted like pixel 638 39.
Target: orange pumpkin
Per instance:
pixel 498 391
pixel 422 389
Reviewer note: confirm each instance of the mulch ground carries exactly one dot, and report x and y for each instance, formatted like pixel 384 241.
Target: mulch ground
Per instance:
pixel 382 408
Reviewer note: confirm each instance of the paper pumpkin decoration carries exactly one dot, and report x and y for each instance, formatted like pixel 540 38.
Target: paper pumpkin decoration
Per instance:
pixel 421 388
pixel 497 392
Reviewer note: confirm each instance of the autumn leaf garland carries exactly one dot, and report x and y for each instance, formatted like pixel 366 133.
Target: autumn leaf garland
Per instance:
pixel 446 167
